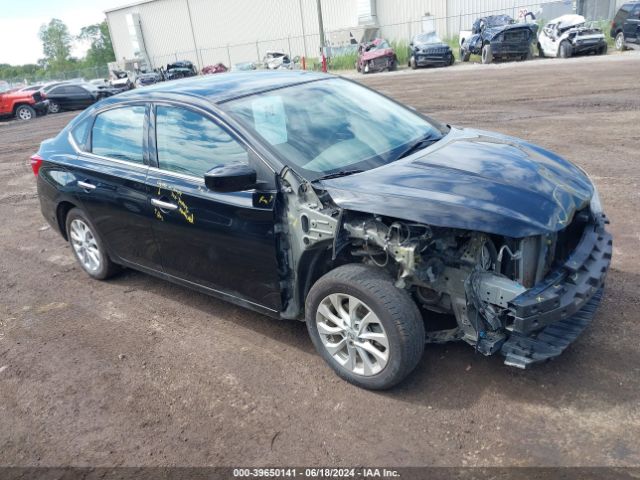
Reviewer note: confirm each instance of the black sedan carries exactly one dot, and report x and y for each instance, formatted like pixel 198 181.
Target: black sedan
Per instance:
pixel 428 50
pixel 75 96
pixel 307 196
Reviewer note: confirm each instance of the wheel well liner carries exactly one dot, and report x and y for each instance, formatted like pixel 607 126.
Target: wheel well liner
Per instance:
pixel 61 216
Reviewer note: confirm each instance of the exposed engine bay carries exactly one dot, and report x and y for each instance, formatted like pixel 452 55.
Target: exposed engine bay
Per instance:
pixel 471 275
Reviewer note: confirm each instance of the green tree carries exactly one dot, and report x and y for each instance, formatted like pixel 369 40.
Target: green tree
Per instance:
pixel 100 50
pixel 56 44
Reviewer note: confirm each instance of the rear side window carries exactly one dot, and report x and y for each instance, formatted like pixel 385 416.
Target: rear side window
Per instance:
pixel 80 133
pixel 118 134
pixel 190 143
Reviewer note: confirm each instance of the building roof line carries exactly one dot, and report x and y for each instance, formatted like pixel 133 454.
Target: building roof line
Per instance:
pixel 128 5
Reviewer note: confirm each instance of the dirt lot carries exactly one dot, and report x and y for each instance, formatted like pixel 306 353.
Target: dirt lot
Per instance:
pixel 137 371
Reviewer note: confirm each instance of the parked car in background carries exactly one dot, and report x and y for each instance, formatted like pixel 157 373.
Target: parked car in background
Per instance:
pixel 352 212
pixel 121 79
pixel 22 104
pixel 244 66
pixel 376 56
pixel 74 96
pixel 276 59
pixel 181 69
pixel 625 27
pixel 569 35
pixel 498 37
pixel 427 49
pixel 217 68
pixel 148 78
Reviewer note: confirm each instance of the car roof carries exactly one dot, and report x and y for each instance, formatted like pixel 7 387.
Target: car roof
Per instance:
pixel 227 86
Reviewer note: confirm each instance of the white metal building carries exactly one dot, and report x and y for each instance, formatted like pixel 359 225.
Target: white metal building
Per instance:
pixel 233 31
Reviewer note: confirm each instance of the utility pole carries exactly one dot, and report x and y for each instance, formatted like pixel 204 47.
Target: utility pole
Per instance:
pixel 321 26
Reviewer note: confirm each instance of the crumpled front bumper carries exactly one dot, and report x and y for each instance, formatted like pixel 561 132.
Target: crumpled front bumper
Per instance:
pixel 547 317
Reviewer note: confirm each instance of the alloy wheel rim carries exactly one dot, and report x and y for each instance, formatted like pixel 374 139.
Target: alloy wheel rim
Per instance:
pixel 85 245
pixel 352 334
pixel 618 41
pixel 24 114
pixel 53 108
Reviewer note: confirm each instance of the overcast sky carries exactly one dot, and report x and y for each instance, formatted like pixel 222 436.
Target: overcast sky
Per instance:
pixel 20 21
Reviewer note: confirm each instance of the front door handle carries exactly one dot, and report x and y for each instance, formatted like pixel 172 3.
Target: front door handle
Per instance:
pixel 86 185
pixel 163 205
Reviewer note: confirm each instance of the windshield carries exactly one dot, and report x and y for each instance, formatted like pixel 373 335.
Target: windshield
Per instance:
pixel 331 126
pixel 427 38
pixel 499 20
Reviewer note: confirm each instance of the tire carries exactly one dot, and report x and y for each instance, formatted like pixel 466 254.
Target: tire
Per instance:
pixel 25 113
pixel 54 107
pixel 412 63
pixel 93 247
pixel 565 50
pixel 464 55
pixel 619 42
pixel 487 54
pixel 365 68
pixel 540 51
pixel 452 59
pixel 393 64
pixel 530 53
pixel 603 50
pixel 396 321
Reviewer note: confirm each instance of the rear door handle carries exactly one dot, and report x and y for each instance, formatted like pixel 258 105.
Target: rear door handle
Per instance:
pixel 163 205
pixel 86 185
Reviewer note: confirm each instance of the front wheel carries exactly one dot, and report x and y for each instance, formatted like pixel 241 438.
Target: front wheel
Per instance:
pixel 565 50
pixel 412 63
pixel 464 55
pixel 54 107
pixel 620 42
pixel 88 247
pixel 604 49
pixel 369 331
pixel 487 54
pixel 25 112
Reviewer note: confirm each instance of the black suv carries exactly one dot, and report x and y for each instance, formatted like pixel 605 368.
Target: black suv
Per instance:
pixel 625 27
pixel 307 196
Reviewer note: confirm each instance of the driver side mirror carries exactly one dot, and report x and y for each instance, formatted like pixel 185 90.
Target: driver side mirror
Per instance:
pixel 234 177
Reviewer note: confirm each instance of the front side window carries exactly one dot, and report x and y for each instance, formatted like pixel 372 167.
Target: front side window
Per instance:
pixel 324 127
pixel 191 143
pixel 118 134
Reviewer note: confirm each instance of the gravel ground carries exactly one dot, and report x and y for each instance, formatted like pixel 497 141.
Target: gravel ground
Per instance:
pixel 136 371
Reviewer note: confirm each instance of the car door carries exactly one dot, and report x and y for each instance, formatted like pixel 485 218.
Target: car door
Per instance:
pixel 631 26
pixel 111 172
pixel 222 241
pixel 79 97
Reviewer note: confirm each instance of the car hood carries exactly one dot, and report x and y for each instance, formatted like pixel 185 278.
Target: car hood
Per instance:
pixel 491 32
pixel 472 180
pixel 430 46
pixel 371 54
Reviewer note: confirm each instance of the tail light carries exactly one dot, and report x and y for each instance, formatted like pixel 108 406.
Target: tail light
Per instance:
pixel 36 163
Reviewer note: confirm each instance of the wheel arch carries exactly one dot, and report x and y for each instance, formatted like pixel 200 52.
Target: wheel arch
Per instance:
pixel 62 210
pixel 19 104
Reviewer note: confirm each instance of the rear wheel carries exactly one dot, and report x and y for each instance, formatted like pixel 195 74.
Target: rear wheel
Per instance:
pixel 620 41
pixel 370 332
pixel 25 112
pixel 487 54
pixel 88 247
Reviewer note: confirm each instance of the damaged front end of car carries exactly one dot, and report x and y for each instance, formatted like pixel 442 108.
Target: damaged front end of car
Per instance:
pixel 520 287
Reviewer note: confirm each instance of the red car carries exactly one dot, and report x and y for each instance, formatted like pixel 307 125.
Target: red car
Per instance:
pixel 217 68
pixel 23 104
pixel 376 56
